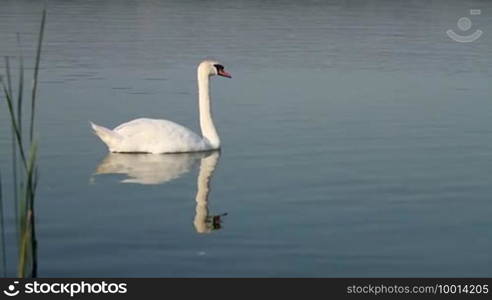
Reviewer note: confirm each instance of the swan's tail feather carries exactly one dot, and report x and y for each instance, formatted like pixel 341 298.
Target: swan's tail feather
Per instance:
pixel 108 136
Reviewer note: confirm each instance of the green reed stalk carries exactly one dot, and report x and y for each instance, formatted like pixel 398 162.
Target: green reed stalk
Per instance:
pixel 2 223
pixel 24 192
pixel 36 72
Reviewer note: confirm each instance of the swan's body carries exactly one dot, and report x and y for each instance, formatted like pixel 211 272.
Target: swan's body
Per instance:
pixel 163 136
pixel 151 136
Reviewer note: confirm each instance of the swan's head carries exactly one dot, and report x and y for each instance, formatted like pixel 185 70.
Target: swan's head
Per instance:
pixel 211 68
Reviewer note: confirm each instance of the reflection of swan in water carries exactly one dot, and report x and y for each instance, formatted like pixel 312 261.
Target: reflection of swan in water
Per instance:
pixel 161 168
pixel 148 168
pixel 203 222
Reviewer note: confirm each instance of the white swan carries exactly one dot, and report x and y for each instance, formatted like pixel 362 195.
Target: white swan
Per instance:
pixel 163 136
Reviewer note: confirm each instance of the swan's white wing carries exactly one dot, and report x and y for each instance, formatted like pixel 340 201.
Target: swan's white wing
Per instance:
pixel 157 136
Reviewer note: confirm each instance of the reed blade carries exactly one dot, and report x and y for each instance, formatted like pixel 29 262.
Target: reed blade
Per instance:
pixel 10 105
pixel 2 223
pixel 36 72
pixel 25 160
pixel 20 92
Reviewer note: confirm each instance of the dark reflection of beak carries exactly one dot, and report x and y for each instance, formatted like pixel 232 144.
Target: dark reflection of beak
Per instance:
pixel 217 221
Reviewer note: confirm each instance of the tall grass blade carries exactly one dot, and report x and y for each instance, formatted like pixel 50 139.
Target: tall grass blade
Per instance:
pixel 7 73
pixel 2 223
pixel 25 188
pixel 28 245
pixel 14 146
pixel 20 92
pixel 36 71
pixel 10 105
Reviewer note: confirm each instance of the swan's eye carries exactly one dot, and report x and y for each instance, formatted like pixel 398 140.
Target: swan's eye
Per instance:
pixel 219 67
pixel 221 71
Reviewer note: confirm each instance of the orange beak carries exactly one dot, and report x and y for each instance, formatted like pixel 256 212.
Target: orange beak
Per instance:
pixel 224 74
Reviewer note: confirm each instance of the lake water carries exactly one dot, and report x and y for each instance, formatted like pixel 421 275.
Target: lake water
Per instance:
pixel 357 138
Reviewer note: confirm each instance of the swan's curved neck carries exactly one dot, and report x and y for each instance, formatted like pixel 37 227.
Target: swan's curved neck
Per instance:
pixel 206 123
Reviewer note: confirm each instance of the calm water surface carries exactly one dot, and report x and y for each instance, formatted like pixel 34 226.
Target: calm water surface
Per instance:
pixel 357 139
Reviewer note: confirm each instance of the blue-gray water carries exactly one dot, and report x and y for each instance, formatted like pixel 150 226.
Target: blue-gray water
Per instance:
pixel 357 137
